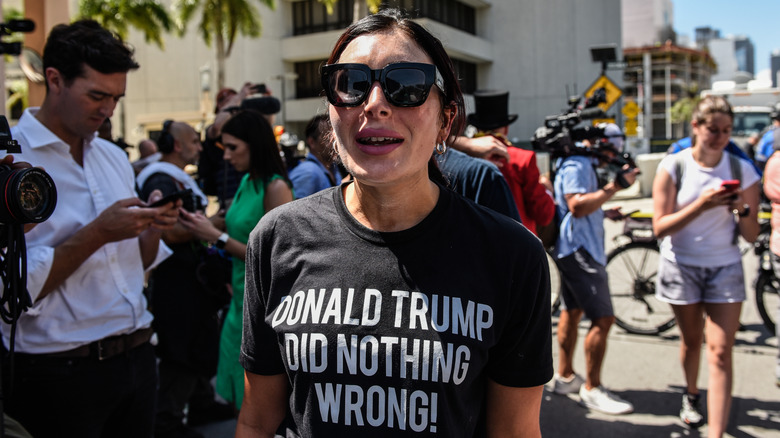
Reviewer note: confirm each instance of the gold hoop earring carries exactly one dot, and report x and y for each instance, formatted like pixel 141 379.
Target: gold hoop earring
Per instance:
pixel 441 148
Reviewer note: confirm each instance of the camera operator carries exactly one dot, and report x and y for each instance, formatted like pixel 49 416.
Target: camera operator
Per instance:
pixel 582 262
pixel 84 365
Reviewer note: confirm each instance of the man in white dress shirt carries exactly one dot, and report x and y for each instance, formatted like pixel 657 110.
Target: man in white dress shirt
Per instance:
pixel 83 364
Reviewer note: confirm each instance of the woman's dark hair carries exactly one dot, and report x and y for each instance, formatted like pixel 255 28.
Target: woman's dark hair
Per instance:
pixel 395 20
pixel 264 156
pixel 70 47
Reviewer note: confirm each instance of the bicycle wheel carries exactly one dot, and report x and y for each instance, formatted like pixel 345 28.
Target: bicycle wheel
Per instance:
pixel 632 270
pixel 555 284
pixel 767 299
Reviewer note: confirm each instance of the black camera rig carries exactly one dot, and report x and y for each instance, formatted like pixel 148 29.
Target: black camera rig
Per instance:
pixel 561 134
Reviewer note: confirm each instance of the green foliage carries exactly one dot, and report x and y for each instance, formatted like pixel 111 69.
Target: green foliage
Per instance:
pixel 224 18
pixel 147 16
pixel 682 110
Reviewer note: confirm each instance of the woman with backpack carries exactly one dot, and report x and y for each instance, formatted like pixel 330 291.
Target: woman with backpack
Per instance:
pixel 703 200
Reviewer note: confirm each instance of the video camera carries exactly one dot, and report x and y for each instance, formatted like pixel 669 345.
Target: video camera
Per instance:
pixel 561 133
pixel 27 195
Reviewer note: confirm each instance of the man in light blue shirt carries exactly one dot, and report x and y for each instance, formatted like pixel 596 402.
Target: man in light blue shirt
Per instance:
pixel 585 290
pixel 317 171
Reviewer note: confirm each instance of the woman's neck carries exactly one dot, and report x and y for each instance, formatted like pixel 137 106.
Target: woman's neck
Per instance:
pixel 706 157
pixel 391 209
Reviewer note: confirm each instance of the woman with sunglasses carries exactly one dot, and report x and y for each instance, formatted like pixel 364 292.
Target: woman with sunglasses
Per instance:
pixel 250 146
pixel 391 306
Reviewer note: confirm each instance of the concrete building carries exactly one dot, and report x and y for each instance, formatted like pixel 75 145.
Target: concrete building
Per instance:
pixel 646 22
pixel 774 66
pixel 673 70
pixel 536 49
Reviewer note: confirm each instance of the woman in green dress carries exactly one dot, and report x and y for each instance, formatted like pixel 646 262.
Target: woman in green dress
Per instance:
pixel 250 146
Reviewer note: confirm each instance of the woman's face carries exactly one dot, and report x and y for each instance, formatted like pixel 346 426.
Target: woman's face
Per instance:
pixel 236 152
pixel 380 143
pixel 714 132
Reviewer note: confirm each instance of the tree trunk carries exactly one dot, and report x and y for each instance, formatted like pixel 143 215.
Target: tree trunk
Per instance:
pixel 220 42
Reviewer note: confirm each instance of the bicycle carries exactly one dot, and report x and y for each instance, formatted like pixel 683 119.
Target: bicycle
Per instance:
pixel 767 284
pixel 632 267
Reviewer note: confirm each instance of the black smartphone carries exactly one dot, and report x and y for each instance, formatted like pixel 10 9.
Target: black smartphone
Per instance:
pixel 173 197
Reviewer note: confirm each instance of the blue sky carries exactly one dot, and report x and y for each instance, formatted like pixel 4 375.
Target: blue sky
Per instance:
pixel 757 19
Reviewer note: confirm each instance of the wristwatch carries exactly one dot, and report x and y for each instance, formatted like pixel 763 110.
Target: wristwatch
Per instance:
pixel 222 241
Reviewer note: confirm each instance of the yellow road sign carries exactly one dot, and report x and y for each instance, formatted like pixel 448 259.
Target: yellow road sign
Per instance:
pixel 631 125
pixel 630 109
pixel 613 91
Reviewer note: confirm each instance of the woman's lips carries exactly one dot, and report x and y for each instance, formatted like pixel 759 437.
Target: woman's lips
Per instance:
pixel 378 141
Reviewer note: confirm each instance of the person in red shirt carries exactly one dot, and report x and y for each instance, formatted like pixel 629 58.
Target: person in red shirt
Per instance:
pixel 530 191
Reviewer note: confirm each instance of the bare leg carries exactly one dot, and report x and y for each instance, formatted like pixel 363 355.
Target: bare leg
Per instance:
pixel 595 349
pixel 722 326
pixel 567 340
pixel 690 319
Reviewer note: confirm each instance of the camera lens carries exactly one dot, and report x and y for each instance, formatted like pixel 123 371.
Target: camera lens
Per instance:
pixel 28 195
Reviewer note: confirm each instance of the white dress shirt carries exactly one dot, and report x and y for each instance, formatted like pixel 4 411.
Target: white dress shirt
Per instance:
pixel 104 296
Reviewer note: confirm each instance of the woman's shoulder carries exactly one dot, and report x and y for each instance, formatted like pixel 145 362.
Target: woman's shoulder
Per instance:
pixel 486 224
pixel 318 205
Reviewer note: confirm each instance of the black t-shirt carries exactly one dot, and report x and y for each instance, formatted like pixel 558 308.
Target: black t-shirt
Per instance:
pixel 394 334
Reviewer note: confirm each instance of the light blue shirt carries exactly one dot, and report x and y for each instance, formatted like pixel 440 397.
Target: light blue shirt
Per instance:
pixel 765 147
pixel 311 176
pixel 575 174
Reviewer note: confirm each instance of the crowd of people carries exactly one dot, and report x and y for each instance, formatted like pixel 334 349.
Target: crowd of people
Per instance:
pixel 319 295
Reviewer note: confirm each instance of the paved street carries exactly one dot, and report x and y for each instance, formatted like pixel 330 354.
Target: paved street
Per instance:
pixel 645 371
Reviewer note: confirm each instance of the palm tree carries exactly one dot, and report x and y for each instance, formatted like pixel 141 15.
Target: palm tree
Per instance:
pixel 221 21
pixel 148 16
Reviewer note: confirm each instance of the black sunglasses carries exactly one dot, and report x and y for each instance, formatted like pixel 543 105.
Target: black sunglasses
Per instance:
pixel 404 84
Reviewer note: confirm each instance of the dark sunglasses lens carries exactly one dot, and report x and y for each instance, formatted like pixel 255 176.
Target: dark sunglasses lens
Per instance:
pixel 406 86
pixel 349 86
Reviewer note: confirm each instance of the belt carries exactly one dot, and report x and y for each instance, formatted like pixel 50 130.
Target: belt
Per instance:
pixel 107 348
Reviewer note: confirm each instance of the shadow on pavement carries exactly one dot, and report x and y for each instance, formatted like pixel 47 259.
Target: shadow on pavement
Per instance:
pixel 655 415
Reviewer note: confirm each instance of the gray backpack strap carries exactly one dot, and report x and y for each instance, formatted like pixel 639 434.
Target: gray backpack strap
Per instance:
pixel 679 169
pixel 736 168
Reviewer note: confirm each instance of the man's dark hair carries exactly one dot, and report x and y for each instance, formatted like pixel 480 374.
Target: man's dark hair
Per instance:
pixel 316 126
pixel 71 46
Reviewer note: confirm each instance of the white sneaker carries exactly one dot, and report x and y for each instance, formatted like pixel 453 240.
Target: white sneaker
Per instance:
pixel 602 400
pixel 567 386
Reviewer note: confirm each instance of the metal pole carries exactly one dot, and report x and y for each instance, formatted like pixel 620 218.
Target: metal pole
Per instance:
pixel 648 91
pixel 668 91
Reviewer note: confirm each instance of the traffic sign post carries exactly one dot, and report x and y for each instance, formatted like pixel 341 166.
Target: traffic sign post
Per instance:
pixel 613 91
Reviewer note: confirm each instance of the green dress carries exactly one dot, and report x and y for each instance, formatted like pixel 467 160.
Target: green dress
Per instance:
pixel 242 216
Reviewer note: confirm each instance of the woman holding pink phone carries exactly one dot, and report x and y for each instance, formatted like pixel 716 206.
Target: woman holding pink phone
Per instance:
pixel 703 199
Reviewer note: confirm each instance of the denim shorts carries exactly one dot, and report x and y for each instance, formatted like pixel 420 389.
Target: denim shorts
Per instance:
pixel 685 284
pixel 585 285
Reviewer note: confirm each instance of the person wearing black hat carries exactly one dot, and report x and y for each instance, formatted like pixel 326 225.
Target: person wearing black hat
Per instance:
pixel 477 179
pixel 492 119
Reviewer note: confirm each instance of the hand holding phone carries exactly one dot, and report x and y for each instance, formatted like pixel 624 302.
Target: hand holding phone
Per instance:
pixel 730 185
pixel 171 198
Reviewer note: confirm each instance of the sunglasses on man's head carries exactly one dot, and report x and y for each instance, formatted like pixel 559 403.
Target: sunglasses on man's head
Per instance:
pixel 404 84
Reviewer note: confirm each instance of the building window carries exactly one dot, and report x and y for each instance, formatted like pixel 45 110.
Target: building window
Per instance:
pixel 308 83
pixel 467 75
pixel 311 16
pixel 449 12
